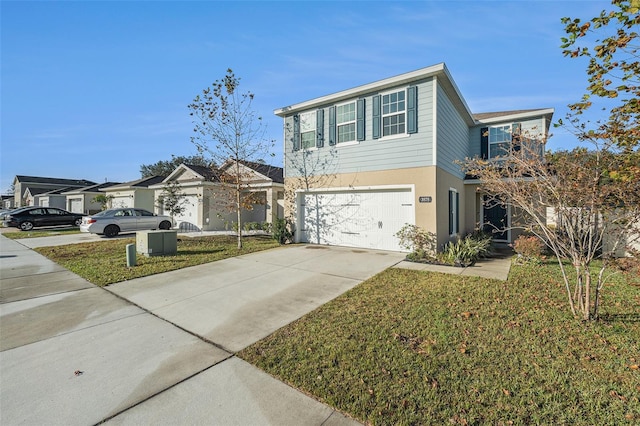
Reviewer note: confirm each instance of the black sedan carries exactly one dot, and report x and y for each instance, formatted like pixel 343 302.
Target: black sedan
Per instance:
pixel 28 218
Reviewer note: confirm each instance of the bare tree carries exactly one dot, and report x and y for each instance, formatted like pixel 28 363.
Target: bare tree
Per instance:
pixel 594 195
pixel 230 132
pixel 172 199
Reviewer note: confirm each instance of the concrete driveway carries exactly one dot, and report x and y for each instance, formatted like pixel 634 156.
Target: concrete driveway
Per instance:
pixel 163 351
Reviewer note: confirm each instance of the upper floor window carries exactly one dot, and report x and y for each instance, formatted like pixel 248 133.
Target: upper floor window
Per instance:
pixel 393 113
pixel 499 141
pixel 308 130
pixel 346 122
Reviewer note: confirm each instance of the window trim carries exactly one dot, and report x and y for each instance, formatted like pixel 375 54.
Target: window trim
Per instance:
pixel 454 212
pixel 354 122
pixel 508 140
pixel 303 116
pixel 383 115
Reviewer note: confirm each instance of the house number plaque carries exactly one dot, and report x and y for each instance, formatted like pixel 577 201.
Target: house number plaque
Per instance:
pixel 424 199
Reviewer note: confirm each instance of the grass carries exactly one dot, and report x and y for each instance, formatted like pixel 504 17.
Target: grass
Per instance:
pixel 49 232
pixel 104 262
pixel 409 347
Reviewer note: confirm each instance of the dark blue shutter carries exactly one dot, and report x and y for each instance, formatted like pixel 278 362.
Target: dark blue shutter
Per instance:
pixel 450 212
pixel 484 143
pixel 332 125
pixel 360 135
pixel 516 137
pixel 376 117
pixel 412 109
pixel 457 212
pixel 320 128
pixel 296 132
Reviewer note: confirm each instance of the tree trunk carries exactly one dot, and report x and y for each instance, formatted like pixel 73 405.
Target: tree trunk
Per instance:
pixel 239 212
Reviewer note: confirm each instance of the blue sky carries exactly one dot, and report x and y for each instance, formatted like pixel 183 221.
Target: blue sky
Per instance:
pixel 92 90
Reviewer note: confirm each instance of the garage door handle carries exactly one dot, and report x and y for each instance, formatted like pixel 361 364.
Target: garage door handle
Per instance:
pixel 351 233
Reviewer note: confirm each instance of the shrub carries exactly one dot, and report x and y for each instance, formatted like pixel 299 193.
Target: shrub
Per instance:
pixel 466 251
pixel 281 231
pixel 529 248
pixel 421 243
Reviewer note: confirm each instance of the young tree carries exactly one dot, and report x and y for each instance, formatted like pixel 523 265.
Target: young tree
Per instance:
pixel 165 168
pixel 172 200
pixel 613 72
pixel 103 199
pixel 228 130
pixel 596 200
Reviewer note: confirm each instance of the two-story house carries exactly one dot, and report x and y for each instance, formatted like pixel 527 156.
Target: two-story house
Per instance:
pixel 365 161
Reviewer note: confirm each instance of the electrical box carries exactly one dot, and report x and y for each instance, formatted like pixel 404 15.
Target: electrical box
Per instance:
pixel 157 243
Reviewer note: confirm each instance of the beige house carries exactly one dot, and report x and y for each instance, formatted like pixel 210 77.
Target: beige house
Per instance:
pixel 81 200
pixel 364 161
pixel 209 207
pixel 134 194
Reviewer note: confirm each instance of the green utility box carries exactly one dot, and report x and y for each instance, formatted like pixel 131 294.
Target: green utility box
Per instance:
pixel 157 243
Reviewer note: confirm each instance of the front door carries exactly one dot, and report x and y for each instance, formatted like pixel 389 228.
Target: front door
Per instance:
pixel 495 219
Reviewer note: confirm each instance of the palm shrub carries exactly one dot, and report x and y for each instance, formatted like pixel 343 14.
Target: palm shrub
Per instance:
pixel 466 251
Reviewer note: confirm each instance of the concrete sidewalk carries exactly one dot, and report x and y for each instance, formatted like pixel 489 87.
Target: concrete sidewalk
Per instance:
pixel 73 353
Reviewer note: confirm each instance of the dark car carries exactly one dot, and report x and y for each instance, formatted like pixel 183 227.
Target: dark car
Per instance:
pixel 30 217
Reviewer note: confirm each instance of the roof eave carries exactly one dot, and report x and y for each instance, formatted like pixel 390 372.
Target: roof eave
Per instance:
pixel 380 85
pixel 534 113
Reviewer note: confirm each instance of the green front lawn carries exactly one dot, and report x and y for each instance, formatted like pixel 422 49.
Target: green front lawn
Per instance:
pixel 408 347
pixel 105 262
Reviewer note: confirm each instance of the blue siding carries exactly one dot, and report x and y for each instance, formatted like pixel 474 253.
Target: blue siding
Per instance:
pixel 453 136
pixel 532 128
pixel 415 150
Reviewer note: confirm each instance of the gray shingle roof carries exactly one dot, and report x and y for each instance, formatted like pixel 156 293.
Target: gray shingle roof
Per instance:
pixel 54 181
pixel 486 115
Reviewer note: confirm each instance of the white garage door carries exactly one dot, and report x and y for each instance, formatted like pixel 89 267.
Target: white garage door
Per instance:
pixel 122 202
pixel 188 220
pixel 75 205
pixel 367 219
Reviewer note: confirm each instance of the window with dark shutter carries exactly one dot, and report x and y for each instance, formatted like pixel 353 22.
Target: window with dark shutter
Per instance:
pixel 296 132
pixel 332 125
pixel 360 110
pixel 484 143
pixel 412 109
pixel 376 117
pixel 320 128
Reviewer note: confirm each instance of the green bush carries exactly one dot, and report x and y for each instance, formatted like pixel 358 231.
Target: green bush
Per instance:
pixel 281 231
pixel 421 243
pixel 466 251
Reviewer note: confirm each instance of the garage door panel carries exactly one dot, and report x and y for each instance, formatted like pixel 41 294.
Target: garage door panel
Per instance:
pixel 367 219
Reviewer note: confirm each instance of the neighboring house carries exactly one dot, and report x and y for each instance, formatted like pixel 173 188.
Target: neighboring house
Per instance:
pixel 53 198
pixel 209 207
pixel 80 200
pixel 134 194
pixel 39 185
pixel 365 161
pixel 8 202
pixel 31 196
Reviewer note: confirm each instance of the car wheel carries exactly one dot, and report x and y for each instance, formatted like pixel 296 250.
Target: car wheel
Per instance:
pixel 26 226
pixel 111 231
pixel 77 222
pixel 165 225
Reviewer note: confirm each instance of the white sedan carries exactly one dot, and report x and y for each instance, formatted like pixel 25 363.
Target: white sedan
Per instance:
pixel 114 221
